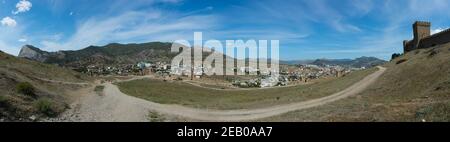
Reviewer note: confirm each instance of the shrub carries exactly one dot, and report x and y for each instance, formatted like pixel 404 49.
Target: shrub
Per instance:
pixel 99 89
pixel 3 101
pixel 25 88
pixel 155 117
pixel 432 53
pixel 46 107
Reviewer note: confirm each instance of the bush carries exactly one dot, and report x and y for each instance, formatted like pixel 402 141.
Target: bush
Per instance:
pixel 432 53
pixel 25 88
pixel 155 117
pixel 99 89
pixel 46 107
pixel 3 101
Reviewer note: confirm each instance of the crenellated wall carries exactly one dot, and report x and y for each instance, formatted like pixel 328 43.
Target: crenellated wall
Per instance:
pixel 423 39
pixel 436 39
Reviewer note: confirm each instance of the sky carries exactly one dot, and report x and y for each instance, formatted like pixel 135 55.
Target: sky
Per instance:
pixel 306 29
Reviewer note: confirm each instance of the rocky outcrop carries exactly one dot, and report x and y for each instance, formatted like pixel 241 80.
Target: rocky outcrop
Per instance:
pixel 33 53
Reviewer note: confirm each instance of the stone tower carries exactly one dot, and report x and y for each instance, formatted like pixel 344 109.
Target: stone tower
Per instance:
pixel 421 30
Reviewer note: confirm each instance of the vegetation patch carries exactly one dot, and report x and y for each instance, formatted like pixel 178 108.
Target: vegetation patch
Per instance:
pixel 46 107
pixel 99 89
pixel 25 88
pixel 439 112
pixel 3 101
pixel 155 117
pixel 432 53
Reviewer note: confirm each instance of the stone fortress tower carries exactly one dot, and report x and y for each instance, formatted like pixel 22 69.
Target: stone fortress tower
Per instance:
pixel 423 37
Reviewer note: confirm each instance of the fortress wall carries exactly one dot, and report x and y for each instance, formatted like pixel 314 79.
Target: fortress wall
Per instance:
pixel 436 39
pixel 408 45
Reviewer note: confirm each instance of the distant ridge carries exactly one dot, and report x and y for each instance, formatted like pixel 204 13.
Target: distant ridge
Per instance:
pixel 356 63
pixel 113 53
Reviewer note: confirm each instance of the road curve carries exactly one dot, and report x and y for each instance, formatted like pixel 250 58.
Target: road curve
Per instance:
pixel 134 106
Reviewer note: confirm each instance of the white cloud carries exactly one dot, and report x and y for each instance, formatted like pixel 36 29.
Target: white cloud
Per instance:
pixel 132 27
pixel 9 22
pixel 438 30
pixel 171 1
pixel 23 6
pixel 344 27
pixel 22 40
pixel 362 6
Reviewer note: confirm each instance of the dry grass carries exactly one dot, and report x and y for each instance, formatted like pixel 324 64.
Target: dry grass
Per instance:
pixel 417 89
pixel 173 92
pixel 18 105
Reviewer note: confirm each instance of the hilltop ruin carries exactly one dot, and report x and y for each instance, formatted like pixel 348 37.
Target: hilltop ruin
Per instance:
pixel 423 37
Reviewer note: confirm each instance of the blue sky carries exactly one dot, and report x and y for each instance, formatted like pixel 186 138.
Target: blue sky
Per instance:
pixel 307 29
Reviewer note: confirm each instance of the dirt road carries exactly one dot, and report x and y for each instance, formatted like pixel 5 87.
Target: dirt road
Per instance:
pixel 117 106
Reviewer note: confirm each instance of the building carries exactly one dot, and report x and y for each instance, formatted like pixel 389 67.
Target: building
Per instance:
pixel 423 37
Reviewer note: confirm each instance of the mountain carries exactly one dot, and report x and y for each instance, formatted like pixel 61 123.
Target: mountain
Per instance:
pixel 102 55
pixel 33 53
pixel 296 62
pixel 117 54
pixel 366 62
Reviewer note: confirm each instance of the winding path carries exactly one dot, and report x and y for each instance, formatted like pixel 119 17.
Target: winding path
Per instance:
pixel 117 106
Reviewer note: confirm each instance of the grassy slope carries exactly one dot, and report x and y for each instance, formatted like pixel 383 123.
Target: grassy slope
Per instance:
pixel 189 95
pixel 13 71
pixel 29 68
pixel 415 90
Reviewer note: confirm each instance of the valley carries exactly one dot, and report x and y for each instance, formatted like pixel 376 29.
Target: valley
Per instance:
pixel 82 97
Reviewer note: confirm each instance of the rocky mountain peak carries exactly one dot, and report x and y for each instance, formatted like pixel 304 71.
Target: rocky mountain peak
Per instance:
pixel 34 53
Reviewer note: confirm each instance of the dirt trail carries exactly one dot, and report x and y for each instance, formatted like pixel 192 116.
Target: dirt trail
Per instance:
pixel 62 82
pixel 117 106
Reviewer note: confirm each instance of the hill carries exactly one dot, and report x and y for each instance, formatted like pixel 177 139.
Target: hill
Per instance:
pixel 30 90
pixel 366 62
pixel 415 87
pixel 296 62
pixel 113 53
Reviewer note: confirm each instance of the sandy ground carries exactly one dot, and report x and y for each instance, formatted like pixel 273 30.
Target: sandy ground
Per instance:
pixel 115 106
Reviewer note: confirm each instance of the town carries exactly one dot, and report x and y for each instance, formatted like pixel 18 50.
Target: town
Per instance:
pixel 287 75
